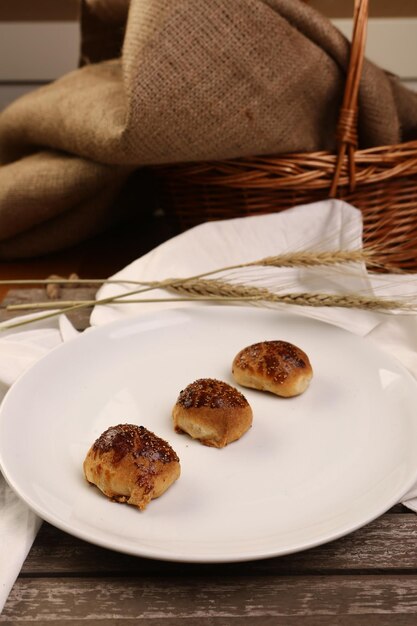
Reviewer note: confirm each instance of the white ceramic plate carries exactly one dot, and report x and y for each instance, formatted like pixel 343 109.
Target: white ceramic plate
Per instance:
pixel 311 468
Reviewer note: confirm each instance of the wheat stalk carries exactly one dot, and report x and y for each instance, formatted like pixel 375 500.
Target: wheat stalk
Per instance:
pixel 313 259
pixel 293 259
pixel 221 291
pixel 199 287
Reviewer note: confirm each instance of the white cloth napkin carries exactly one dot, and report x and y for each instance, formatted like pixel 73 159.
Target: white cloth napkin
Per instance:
pixel 327 225
pixel 321 226
pixel 19 349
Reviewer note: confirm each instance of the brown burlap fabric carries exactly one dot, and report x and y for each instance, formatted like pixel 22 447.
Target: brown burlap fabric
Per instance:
pixel 169 81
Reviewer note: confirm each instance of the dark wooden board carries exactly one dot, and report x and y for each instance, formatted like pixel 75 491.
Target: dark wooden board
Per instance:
pixel 216 600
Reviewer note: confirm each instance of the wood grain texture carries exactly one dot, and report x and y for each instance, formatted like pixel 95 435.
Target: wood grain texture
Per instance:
pixel 207 600
pixel 39 10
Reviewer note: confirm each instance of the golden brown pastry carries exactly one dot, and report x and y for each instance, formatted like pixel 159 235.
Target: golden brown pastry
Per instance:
pixel 276 366
pixel 213 412
pixel 130 464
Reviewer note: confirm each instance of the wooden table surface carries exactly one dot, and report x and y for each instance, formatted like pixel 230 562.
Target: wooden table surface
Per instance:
pixel 366 578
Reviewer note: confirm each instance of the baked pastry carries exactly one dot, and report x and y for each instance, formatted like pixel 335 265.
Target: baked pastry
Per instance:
pixel 276 366
pixel 212 411
pixel 130 464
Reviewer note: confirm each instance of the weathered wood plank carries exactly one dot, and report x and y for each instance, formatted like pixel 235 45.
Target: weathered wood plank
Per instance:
pixel 41 10
pixel 388 543
pixel 262 620
pixel 213 601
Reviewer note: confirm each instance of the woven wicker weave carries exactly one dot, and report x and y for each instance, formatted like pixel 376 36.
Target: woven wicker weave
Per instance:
pixel 381 182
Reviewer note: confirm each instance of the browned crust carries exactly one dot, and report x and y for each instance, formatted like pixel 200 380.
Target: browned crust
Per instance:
pixel 129 463
pixel 213 412
pixel 276 366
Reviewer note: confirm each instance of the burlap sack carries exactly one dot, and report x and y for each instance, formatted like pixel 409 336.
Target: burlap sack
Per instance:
pixel 166 81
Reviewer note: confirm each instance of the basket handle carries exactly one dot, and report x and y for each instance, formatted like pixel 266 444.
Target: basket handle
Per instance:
pixel 347 127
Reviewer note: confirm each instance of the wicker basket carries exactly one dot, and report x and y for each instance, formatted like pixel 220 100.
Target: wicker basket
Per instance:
pixel 381 182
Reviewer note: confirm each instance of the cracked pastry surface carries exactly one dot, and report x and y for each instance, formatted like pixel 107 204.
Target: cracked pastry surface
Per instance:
pixel 276 366
pixel 131 464
pixel 213 412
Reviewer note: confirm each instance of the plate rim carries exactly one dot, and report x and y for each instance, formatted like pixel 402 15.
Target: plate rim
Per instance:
pixel 152 553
